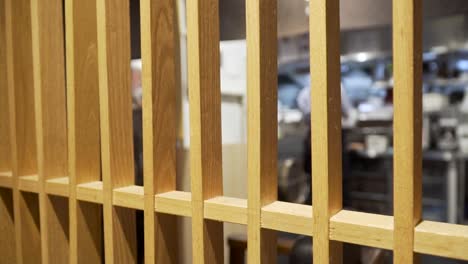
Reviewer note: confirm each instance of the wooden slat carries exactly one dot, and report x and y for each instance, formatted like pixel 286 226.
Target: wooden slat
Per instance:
pixel 174 203
pixel 5 149
pixel 6 179
pixel 226 209
pixel 288 217
pixel 130 197
pixel 407 125
pixel 205 126
pixel 326 125
pixel 29 183
pixel 262 125
pixel 22 127
pixel 363 229
pixel 441 239
pixel 7 225
pixel 83 128
pixel 160 86
pixel 50 110
pixel 58 186
pixel 113 23
pixel 90 192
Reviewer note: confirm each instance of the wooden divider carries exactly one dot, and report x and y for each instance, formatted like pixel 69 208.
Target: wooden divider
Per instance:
pixel 205 126
pixel 5 156
pixel 7 225
pixel 113 23
pixel 326 126
pixel 83 130
pixel 407 129
pixel 34 188
pixel 262 123
pixel 159 49
pixel 50 110
pixel 23 134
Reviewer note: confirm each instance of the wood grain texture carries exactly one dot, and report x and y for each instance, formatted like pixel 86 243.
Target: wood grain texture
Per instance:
pixel 205 126
pixel 5 149
pixel 261 125
pixel 174 203
pixel 83 128
pixel 226 209
pixel 407 125
pixel 7 227
pixel 363 229
pixel 22 127
pixel 50 109
pixel 29 183
pixel 130 197
pixel 160 87
pixel 30 228
pixel 288 217
pixel 6 179
pixel 58 228
pixel 113 24
pixel 90 192
pixel 326 125
pixel 441 239
pixel 58 187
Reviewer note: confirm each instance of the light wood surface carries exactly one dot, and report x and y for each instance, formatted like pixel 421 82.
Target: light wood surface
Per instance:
pixel 50 109
pixel 22 128
pixel 130 197
pixel 226 209
pixel 29 183
pixel 205 126
pixel 83 129
pixel 288 217
pixel 6 179
pixel 174 203
pixel 90 192
pixel 441 239
pixel 7 227
pixel 407 125
pixel 261 125
pixel 326 126
pixel 362 228
pixel 58 186
pixel 51 208
pixel 115 102
pixel 5 153
pixel 160 67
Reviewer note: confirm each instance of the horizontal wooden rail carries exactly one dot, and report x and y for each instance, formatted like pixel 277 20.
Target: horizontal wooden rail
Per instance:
pixel 373 230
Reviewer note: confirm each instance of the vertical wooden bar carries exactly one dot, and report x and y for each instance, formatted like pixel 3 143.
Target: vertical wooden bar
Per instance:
pixel 262 125
pixel 407 125
pixel 83 128
pixel 159 54
pixel 205 126
pixel 7 225
pixel 113 19
pixel 22 129
pixel 49 91
pixel 326 125
pixel 5 155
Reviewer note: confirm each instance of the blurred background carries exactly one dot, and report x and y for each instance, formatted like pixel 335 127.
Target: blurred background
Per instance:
pixel 367 102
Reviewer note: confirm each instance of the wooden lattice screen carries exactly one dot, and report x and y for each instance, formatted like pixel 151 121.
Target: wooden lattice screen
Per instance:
pixel 66 158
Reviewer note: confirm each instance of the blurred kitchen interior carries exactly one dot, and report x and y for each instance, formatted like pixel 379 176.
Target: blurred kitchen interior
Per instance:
pixel 367 84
